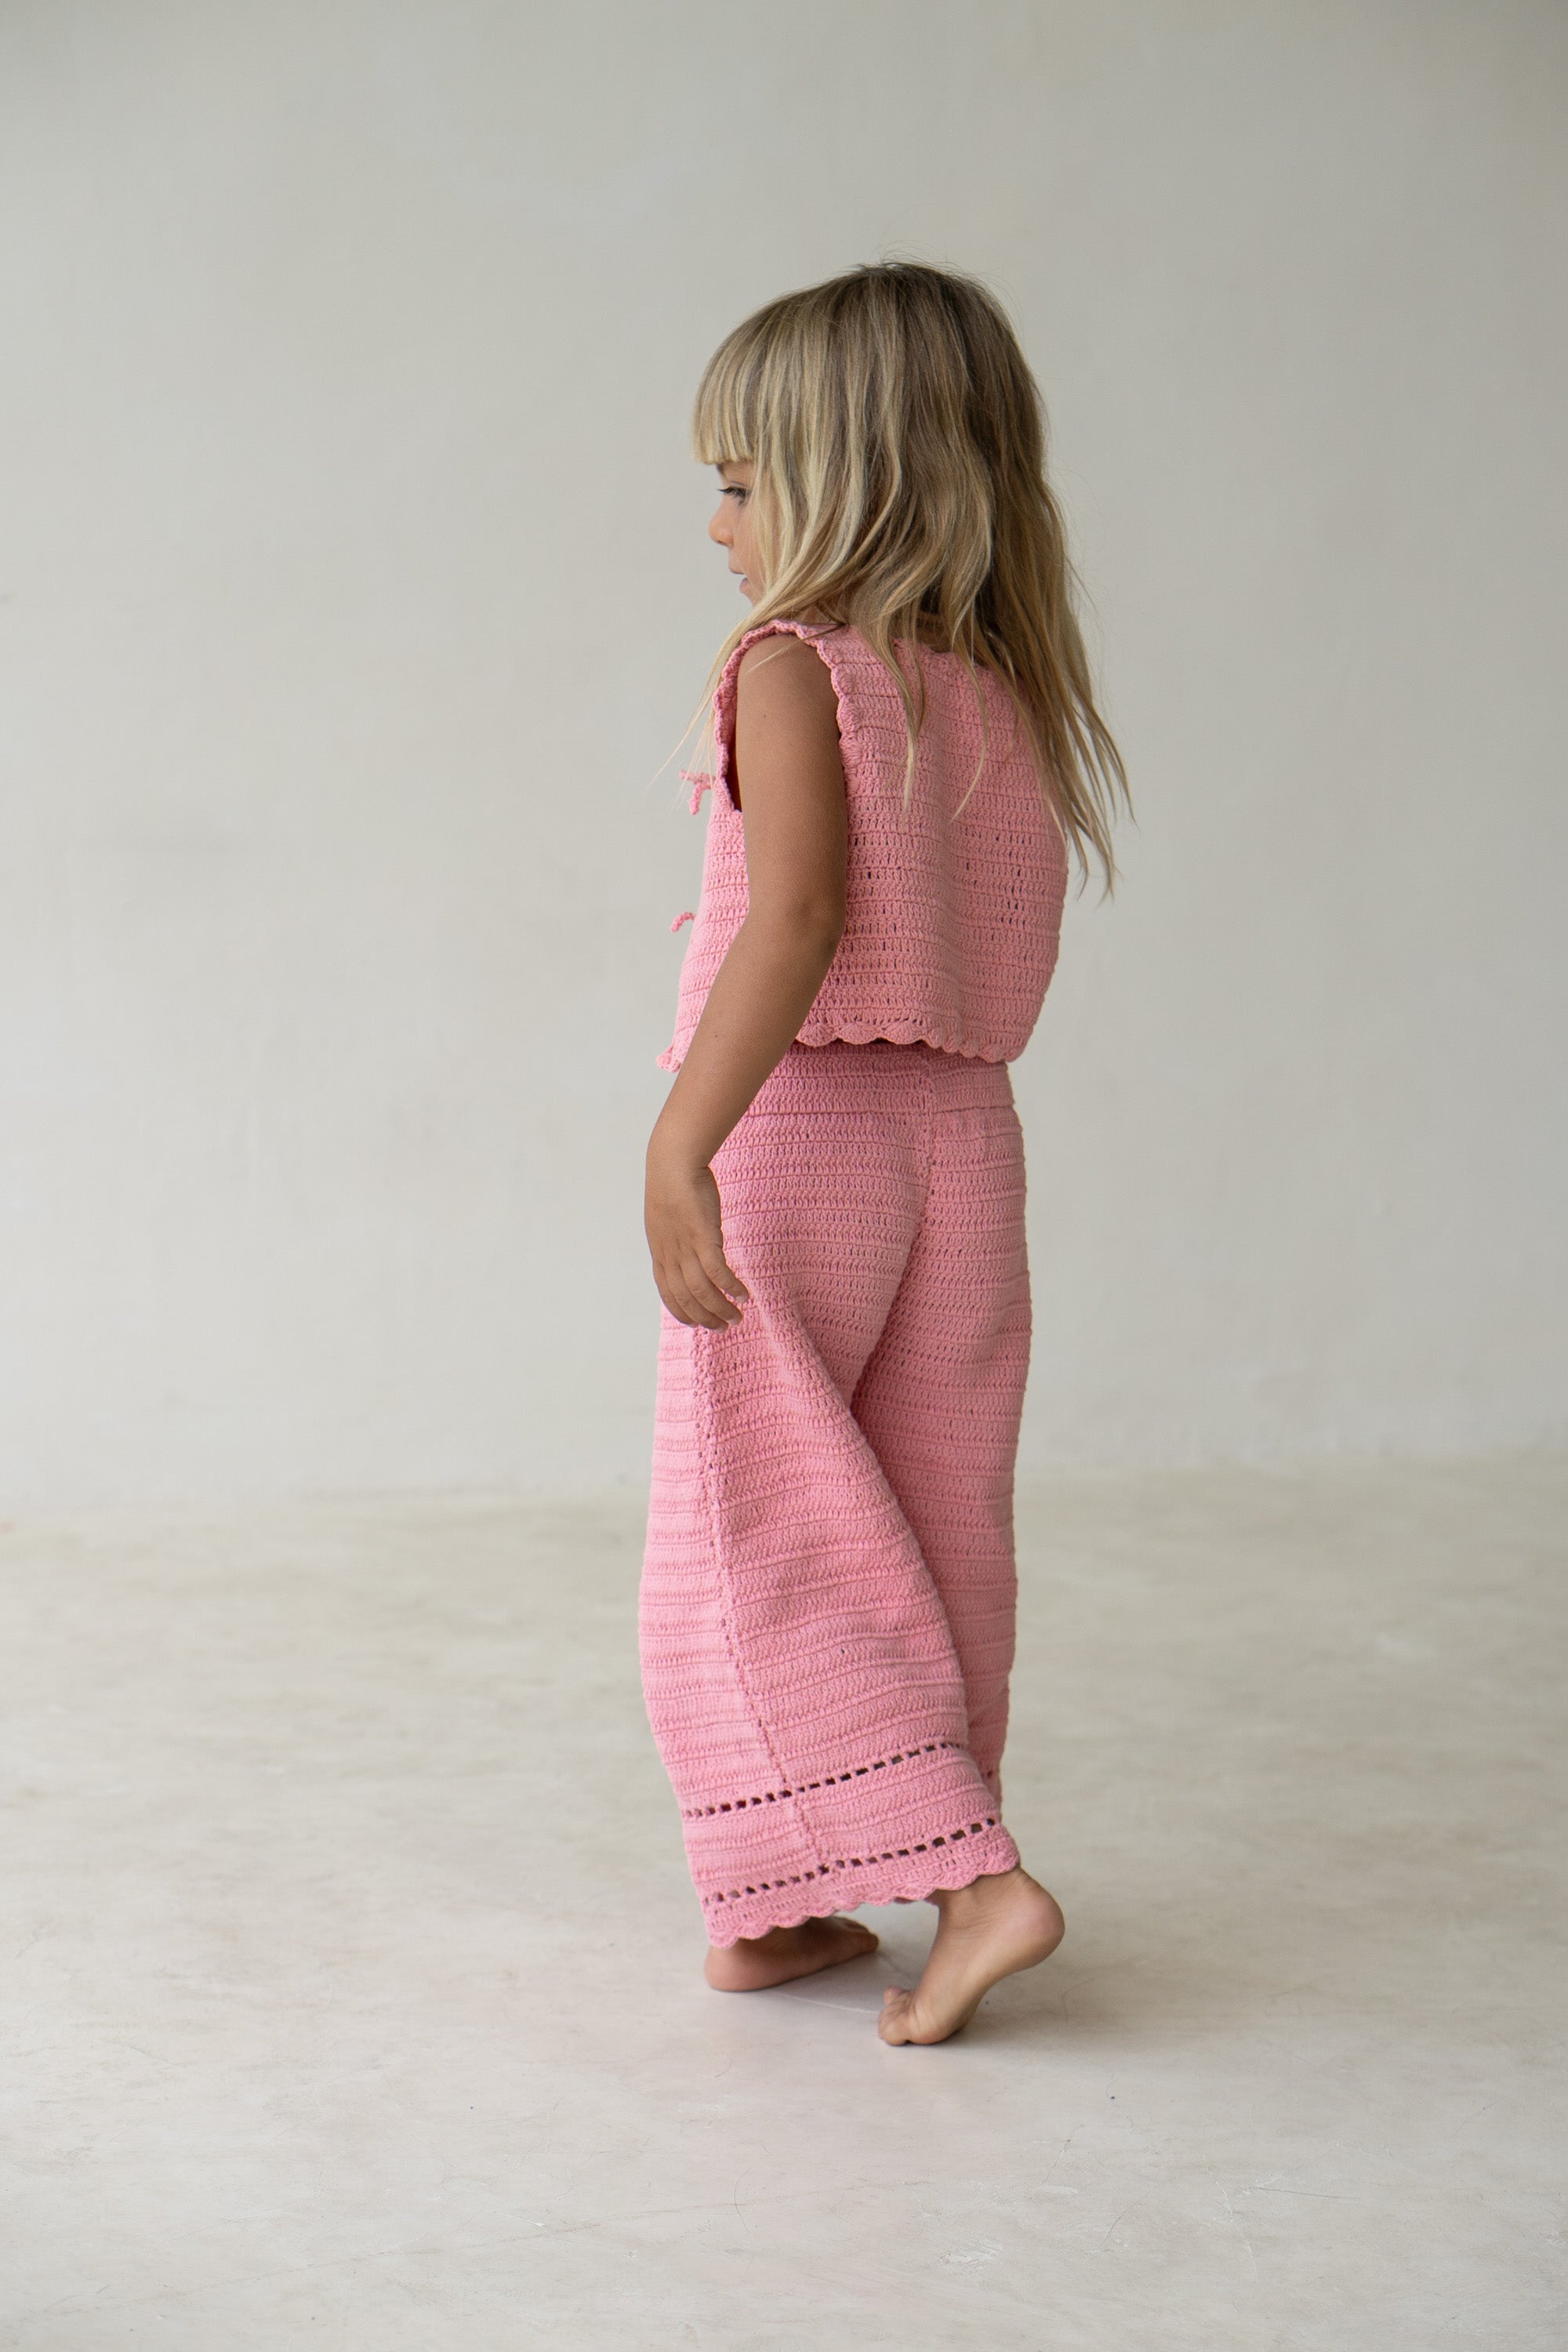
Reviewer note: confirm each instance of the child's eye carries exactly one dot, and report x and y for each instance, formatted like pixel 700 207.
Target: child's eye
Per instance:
pixel 733 490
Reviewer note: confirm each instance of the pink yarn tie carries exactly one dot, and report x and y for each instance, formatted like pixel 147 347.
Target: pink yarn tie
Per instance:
pixel 699 784
pixel 690 916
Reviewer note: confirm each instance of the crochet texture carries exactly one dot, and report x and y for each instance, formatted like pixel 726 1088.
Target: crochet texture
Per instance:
pixel 828 1590
pixel 827 1596
pixel 953 904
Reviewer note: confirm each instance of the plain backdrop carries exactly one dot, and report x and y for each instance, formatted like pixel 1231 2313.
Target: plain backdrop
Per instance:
pixel 355 590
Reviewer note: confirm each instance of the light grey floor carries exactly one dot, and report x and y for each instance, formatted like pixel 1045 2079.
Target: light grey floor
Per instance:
pixel 353 1971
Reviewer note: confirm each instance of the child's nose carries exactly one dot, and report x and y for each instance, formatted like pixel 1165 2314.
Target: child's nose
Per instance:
pixel 719 529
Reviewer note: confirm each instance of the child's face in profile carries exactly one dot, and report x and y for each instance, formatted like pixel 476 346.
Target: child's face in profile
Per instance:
pixel 731 526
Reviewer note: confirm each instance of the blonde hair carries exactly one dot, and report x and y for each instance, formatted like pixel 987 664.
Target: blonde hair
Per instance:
pixel 898 439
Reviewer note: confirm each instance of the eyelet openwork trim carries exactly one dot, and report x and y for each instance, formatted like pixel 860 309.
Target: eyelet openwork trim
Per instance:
pixel 828 1781
pixel 852 1862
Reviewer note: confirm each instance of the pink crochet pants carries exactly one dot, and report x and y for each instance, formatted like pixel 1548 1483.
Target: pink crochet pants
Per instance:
pixel 828 1597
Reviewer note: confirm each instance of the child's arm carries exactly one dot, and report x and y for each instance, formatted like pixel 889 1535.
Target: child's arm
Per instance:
pixel 791 779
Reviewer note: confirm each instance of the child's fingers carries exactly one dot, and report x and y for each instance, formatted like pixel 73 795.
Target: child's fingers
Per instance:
pixel 702 1286
pixel 686 1237
pixel 723 1276
pixel 680 1296
pixel 685 1309
pixel 676 1297
pixel 712 1278
pixel 694 1296
pixel 706 1246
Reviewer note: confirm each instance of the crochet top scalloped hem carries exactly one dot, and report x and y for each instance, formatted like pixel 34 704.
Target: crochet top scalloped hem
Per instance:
pixel 954 902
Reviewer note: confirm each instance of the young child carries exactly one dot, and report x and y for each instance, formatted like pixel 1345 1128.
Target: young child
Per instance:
pixel 906 745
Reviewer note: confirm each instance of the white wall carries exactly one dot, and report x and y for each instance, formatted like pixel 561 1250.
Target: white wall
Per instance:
pixel 355 585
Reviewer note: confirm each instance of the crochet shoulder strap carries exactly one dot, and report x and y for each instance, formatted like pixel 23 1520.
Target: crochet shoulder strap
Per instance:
pixel 849 661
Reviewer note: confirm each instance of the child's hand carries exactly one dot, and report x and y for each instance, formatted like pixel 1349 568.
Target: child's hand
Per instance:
pixel 687 1239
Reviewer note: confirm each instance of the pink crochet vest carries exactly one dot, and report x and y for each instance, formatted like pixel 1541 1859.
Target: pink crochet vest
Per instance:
pixel 954 912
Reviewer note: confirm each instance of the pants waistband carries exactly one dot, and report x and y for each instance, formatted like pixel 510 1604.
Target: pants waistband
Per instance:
pixel 881 1076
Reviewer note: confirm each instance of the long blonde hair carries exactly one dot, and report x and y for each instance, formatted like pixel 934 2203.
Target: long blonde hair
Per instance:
pixel 898 439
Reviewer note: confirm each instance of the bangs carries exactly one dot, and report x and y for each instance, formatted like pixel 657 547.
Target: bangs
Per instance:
pixel 724 419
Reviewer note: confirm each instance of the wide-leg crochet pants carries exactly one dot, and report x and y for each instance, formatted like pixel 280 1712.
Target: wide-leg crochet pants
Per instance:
pixel 829 1591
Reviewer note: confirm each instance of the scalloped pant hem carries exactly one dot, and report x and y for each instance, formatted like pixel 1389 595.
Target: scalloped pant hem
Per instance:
pixel 737 1914
pixel 828 1592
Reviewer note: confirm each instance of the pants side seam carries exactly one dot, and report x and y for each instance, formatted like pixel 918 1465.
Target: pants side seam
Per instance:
pixel 707 1454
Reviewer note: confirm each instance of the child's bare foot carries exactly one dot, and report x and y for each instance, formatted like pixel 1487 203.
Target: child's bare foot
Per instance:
pixel 784 1952
pixel 985 1932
